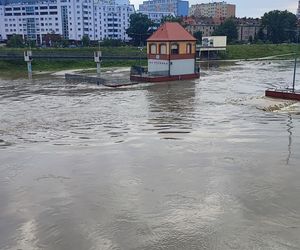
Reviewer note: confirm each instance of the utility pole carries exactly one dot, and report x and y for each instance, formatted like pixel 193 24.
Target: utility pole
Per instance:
pixel 98 59
pixel 28 59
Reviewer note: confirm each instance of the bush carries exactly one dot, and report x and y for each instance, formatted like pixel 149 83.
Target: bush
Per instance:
pixel 15 41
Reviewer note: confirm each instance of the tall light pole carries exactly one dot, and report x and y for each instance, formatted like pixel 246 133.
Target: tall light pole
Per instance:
pixel 295 64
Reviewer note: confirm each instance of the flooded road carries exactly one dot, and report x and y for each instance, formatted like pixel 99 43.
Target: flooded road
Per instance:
pixel 184 165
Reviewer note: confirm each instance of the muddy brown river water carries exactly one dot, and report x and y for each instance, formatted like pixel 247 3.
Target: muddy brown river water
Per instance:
pixel 182 165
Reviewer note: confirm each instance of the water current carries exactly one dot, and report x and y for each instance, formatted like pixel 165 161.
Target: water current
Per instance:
pixel 202 164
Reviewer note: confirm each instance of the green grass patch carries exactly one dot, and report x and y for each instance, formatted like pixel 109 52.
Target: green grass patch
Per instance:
pixel 259 51
pixel 106 51
pixel 19 67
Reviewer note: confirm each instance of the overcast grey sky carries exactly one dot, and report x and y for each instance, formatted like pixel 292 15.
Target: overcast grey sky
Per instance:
pixel 250 8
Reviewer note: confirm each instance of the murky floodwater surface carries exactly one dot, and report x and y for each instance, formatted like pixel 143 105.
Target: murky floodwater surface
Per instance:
pixel 182 165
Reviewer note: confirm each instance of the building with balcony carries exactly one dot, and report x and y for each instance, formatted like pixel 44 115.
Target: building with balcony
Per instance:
pixel 34 19
pixel 213 10
pixel 157 9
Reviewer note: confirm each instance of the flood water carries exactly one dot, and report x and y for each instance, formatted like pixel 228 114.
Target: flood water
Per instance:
pixel 182 165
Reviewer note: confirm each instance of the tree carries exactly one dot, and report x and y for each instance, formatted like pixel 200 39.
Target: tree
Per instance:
pixel 85 41
pixel 108 42
pixel 140 28
pixel 229 29
pixel 53 40
pixel 250 39
pixel 280 26
pixel 15 41
pixel 261 35
pixel 171 18
pixel 198 36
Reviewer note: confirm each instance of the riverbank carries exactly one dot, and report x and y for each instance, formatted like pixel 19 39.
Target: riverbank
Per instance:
pixel 131 57
pixel 257 51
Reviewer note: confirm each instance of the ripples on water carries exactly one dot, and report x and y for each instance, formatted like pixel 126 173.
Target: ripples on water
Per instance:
pixel 182 165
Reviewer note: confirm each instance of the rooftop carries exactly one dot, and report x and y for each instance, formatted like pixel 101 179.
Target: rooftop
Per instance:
pixel 171 32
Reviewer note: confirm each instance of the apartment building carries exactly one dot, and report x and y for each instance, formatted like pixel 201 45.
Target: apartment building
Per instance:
pixel 205 29
pixel 34 19
pixel 156 9
pixel 156 16
pixel 246 27
pixel 213 10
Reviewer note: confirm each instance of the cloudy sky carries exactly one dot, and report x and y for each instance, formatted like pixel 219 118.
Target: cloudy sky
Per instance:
pixel 249 8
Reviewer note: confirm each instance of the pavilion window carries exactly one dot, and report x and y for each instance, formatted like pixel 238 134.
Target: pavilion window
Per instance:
pixel 189 48
pixel 174 49
pixel 153 49
pixel 163 49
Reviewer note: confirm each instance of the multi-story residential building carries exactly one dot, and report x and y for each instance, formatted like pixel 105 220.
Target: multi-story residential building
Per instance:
pixel 156 9
pixel 1 25
pixel 246 27
pixel 205 29
pixel 34 19
pixel 214 10
pixel 204 24
pixel 157 15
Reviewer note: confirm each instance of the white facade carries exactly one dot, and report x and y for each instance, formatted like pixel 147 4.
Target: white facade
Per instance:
pixel 172 67
pixel 214 41
pixel 72 19
pixel 1 22
pixel 158 67
pixel 182 67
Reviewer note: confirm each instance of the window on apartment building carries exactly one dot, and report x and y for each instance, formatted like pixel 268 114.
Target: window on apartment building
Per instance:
pixel 152 48
pixel 189 48
pixel 163 49
pixel 174 49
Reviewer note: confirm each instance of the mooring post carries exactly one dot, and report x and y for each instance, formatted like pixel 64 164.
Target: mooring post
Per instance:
pixel 98 59
pixel 28 59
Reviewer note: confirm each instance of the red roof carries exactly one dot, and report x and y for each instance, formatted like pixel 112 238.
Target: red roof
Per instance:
pixel 171 32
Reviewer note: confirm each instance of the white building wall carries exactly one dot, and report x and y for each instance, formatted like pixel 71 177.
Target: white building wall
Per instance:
pixel 2 33
pixel 214 41
pixel 182 67
pixel 158 66
pixel 177 67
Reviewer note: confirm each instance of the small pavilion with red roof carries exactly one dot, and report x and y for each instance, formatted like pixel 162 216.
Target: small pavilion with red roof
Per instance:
pixel 171 53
